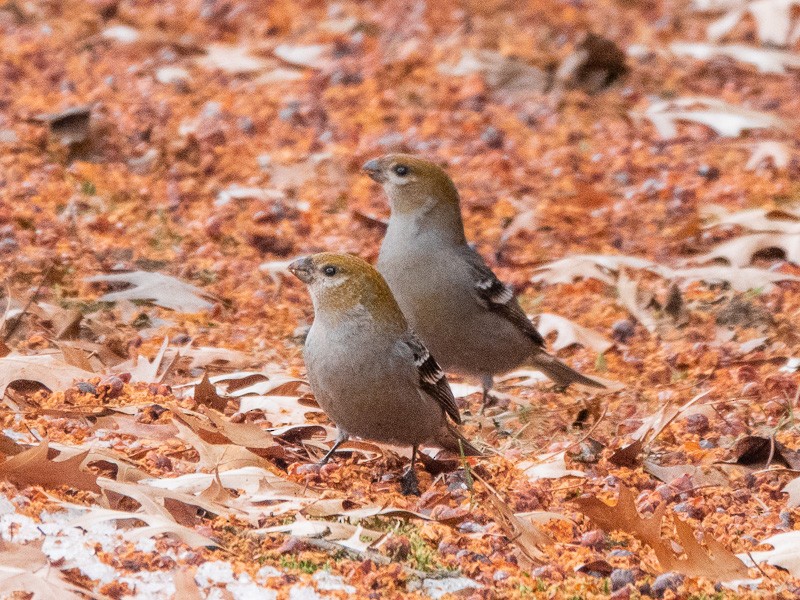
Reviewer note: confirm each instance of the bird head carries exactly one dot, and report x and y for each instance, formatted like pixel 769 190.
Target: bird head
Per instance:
pixel 412 183
pixel 342 283
pixel 421 191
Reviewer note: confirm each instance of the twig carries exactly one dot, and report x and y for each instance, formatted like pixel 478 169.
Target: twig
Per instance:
pixel 27 306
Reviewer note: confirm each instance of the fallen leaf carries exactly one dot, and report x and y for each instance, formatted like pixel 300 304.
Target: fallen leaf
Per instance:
pixel 206 356
pixel 769 152
pixel 32 467
pixel 205 393
pixel 44 368
pixel 313 56
pixel 773 18
pixel 236 60
pixel 157 524
pixel 522 532
pixel 569 333
pixel 760 452
pixel 591 266
pixel 727 120
pixel 500 72
pixel 740 251
pixel 783 220
pixel 630 298
pixel 714 561
pixel 785 552
pixel 549 467
pixel 70 126
pixel 162 290
pixel 766 60
pixel 26 569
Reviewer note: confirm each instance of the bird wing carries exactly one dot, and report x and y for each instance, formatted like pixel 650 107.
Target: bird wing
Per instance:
pixel 432 379
pixel 498 297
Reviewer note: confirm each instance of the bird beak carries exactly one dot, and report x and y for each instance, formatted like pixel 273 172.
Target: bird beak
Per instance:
pixel 303 269
pixel 373 169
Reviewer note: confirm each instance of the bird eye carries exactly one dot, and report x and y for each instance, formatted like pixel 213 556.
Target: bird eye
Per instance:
pixel 330 270
pixel 401 170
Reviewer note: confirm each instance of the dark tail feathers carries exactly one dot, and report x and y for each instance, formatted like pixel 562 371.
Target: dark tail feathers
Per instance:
pixel 560 373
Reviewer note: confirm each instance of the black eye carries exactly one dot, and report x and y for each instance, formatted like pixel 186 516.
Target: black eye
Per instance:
pixel 401 170
pixel 330 270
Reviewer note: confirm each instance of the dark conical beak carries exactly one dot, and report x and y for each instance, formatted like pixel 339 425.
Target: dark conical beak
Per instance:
pixel 373 169
pixel 303 269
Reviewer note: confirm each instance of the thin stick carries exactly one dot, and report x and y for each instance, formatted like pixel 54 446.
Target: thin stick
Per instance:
pixel 18 320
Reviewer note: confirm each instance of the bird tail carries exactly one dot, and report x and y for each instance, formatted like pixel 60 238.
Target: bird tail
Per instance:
pixel 560 373
pixel 454 441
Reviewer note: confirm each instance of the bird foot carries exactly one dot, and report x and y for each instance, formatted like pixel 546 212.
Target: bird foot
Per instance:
pixel 409 484
pixel 488 402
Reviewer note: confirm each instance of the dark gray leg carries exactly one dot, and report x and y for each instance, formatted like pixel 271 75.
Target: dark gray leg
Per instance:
pixel 488 383
pixel 409 483
pixel 341 438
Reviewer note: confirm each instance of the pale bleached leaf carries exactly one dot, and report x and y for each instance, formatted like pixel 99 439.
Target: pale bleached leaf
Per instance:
pixel 774 22
pixel 630 298
pixel 157 524
pixel 205 356
pixel 569 333
pixel 500 72
pixel 727 120
pixel 785 552
pixel 769 152
pixel 46 369
pixel 740 279
pixel 237 60
pixel 552 466
pixel 313 56
pixel 765 60
pixel 783 220
pixel 161 290
pixel 739 252
pixel 590 266
pixel 123 34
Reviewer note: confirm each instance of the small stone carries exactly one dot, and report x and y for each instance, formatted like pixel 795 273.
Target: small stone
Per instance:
pixel 696 423
pixel 707 444
pixel 87 388
pixel 667 581
pixel 594 539
pixel 708 172
pixel 492 137
pixel 623 330
pixel 620 578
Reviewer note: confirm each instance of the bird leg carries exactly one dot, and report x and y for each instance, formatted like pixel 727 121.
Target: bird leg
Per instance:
pixel 341 438
pixel 409 484
pixel 488 383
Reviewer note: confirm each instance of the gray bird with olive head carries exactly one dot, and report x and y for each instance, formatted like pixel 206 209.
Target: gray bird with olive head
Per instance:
pixel 469 319
pixel 368 370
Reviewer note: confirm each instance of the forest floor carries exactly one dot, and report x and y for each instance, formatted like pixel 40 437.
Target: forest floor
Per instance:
pixel 630 167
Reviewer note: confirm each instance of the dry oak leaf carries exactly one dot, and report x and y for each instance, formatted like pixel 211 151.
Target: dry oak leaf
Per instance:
pixel 32 467
pixel 157 524
pixel 773 18
pixel 766 60
pixel 46 369
pixel 162 290
pixel 27 569
pixel 727 120
pixel 714 561
pixel 569 333
pixel 740 251
pixel 779 220
pixel 523 532
pixel 785 552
